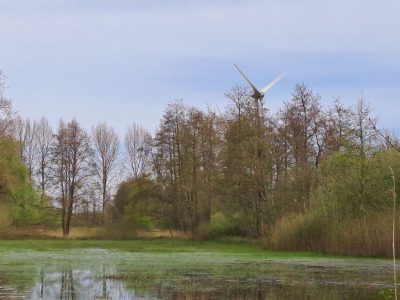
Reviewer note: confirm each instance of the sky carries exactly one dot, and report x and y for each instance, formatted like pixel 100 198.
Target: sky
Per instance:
pixel 123 61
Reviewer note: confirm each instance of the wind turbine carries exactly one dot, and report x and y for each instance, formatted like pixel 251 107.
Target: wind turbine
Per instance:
pixel 259 94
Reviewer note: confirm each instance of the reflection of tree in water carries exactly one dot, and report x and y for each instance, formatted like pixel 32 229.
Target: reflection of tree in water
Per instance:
pixel 58 285
pixel 105 283
pixel 41 282
pixel 67 285
pixel 99 274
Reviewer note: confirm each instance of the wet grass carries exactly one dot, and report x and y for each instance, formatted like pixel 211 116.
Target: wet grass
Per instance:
pixel 156 246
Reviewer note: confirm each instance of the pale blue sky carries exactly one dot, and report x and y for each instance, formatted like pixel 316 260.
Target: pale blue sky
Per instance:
pixel 122 61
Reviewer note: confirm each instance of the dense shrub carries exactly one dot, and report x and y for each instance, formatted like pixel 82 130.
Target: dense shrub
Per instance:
pixel 136 205
pixel 16 192
pixel 219 226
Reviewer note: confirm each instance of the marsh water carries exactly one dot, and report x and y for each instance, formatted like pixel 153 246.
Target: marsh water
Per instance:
pixel 112 274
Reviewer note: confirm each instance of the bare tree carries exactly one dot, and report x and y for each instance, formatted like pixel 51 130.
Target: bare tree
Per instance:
pixel 44 139
pixel 306 132
pixel 25 133
pixel 6 112
pixel 364 136
pixel 72 165
pixel 247 161
pixel 106 145
pixel 339 120
pixel 137 149
pixel 19 135
pixel 184 158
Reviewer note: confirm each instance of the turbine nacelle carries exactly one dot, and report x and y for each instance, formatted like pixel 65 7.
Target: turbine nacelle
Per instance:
pixel 259 94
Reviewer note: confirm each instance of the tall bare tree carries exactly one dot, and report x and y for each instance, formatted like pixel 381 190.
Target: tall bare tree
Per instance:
pixel 364 135
pixel 25 131
pixel 247 163
pixel 339 120
pixel 44 139
pixel 306 136
pixel 7 113
pixel 137 147
pixel 20 135
pixel 106 146
pixel 186 165
pixel 72 165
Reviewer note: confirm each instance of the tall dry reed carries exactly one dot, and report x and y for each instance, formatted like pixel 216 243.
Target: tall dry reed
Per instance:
pixel 368 235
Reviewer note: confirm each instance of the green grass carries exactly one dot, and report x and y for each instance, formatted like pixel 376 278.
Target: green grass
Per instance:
pixel 247 249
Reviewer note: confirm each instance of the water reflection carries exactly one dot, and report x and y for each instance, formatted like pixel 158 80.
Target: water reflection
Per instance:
pixel 77 274
pixel 231 289
pixel 98 283
pixel 72 284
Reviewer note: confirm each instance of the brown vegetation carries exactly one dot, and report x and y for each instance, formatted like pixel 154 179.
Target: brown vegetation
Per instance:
pixel 365 236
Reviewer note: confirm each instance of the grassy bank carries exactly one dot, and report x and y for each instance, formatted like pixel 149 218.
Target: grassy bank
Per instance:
pixel 368 236
pixel 161 245
pixel 298 235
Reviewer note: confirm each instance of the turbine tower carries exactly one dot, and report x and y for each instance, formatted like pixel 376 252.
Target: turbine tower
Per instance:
pixel 259 94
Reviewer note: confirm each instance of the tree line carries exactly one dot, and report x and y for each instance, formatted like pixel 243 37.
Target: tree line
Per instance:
pixel 78 171
pixel 240 171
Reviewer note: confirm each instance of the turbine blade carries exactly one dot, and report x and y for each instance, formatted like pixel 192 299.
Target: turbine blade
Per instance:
pixel 270 85
pixel 248 80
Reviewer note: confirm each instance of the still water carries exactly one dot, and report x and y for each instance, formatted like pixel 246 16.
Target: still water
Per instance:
pixel 107 274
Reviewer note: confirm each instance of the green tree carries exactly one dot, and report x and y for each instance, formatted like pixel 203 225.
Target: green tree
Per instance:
pixel 137 203
pixel 16 192
pixel 352 185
